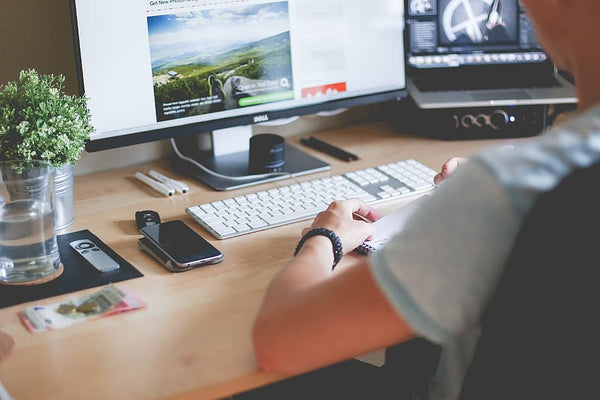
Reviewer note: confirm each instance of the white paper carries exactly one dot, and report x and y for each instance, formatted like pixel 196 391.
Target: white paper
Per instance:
pixel 4 394
pixel 376 358
pixel 389 226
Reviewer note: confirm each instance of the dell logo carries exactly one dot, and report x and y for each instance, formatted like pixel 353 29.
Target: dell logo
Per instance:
pixel 261 118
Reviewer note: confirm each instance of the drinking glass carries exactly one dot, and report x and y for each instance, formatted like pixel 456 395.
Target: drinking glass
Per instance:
pixel 28 246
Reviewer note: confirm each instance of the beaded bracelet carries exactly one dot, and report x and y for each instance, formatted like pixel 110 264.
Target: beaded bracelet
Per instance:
pixel 335 241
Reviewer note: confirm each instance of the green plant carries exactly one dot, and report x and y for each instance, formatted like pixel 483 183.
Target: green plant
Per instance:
pixel 38 121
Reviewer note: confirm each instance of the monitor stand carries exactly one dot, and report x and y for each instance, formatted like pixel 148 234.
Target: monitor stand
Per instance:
pixel 235 164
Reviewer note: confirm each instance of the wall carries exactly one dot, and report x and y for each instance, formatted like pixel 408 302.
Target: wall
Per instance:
pixel 37 34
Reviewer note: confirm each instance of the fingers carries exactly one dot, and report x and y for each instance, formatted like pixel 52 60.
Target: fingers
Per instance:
pixel 366 212
pixel 452 165
pixel 354 207
pixel 349 220
pixel 448 168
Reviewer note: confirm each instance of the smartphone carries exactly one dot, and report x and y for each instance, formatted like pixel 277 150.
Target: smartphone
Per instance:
pixel 177 246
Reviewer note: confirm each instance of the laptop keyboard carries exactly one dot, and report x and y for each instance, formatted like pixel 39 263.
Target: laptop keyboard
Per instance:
pixel 505 82
pixel 284 205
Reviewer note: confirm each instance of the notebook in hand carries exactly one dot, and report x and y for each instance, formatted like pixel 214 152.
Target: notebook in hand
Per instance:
pixel 389 226
pixel 477 53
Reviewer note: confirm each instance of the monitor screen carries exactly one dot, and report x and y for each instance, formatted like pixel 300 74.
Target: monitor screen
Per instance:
pixel 457 33
pixel 156 69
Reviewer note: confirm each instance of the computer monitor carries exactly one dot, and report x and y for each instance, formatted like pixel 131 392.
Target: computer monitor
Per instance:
pixel 478 53
pixel 453 33
pixel 160 69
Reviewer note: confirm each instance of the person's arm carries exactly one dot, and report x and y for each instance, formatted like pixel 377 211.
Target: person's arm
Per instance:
pixel 312 316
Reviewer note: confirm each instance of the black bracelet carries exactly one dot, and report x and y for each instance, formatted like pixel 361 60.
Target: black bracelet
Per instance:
pixel 335 241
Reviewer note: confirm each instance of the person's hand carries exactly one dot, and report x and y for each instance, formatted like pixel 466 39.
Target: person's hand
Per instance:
pixel 448 168
pixel 347 219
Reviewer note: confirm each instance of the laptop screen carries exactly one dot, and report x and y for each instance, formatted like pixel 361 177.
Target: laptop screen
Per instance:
pixel 448 34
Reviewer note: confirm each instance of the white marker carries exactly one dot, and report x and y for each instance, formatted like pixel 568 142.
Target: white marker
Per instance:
pixel 156 185
pixel 180 187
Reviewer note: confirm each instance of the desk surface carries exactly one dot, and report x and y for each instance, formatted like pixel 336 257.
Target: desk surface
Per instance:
pixel 194 338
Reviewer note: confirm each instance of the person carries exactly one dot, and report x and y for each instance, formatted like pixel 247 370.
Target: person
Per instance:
pixel 434 279
pixel 495 27
pixel 215 91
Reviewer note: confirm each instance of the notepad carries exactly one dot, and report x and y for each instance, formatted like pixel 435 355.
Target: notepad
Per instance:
pixel 389 226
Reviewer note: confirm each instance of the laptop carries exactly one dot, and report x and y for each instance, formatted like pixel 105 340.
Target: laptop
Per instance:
pixel 477 53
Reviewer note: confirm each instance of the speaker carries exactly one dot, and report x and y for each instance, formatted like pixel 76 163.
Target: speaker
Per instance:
pixel 469 123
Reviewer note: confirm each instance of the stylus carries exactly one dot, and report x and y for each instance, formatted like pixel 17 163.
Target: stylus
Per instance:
pixel 328 149
pixel 156 185
pixel 180 187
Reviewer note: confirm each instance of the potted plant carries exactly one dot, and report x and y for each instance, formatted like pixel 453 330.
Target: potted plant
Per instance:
pixel 38 121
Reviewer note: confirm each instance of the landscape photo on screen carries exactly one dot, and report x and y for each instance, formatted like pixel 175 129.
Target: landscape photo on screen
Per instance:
pixel 220 59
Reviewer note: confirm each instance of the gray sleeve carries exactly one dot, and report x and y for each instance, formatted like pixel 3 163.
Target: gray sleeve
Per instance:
pixel 440 271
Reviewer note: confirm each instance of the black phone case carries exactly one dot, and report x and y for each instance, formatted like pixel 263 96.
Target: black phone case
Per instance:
pixel 159 255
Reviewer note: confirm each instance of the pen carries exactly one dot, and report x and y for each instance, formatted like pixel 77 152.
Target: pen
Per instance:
pixel 180 187
pixel 328 149
pixel 156 185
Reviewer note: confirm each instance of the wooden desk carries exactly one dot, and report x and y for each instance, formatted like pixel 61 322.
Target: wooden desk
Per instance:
pixel 193 341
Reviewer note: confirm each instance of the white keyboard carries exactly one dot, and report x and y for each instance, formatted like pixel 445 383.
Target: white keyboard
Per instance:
pixel 270 208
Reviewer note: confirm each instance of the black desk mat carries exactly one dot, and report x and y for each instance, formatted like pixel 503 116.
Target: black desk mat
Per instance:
pixel 77 274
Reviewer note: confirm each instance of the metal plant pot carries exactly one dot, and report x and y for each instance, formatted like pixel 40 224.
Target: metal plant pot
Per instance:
pixel 63 191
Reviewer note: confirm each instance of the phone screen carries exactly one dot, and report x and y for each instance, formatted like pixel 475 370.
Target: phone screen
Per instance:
pixel 180 242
